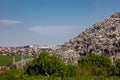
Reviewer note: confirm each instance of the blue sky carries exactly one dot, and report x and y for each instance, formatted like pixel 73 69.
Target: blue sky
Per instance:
pixel 42 22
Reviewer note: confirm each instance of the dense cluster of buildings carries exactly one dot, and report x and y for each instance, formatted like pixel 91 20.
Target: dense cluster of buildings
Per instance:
pixel 26 50
pixel 102 38
pixel 30 50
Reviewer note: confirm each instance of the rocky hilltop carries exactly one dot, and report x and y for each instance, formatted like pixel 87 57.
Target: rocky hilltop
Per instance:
pixel 102 38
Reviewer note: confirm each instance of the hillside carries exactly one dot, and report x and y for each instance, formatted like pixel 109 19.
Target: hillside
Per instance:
pixel 102 38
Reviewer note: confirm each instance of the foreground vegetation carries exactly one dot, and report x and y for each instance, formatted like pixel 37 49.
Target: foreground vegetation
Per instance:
pixel 51 67
pixel 18 74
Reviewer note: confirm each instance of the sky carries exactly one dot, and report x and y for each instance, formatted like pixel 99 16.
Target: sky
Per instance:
pixel 50 22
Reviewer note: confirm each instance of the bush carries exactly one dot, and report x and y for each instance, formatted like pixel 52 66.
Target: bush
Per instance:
pixel 99 65
pixel 91 67
pixel 13 74
pixel 113 70
pixel 46 64
pixel 117 67
pixel 95 60
pixel 70 70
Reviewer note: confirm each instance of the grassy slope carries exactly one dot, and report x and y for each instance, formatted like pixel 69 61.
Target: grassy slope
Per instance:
pixel 6 60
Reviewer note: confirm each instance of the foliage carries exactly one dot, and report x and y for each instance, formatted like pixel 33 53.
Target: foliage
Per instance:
pixel 117 66
pixel 20 76
pixel 95 60
pixel 51 67
pixel 46 64
pixel 13 74
pixel 98 64
pixel 70 70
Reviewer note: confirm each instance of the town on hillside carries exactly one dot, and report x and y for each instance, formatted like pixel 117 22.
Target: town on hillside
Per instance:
pixel 102 38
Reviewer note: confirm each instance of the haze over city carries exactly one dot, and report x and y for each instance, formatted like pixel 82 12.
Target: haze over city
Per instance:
pixel 43 22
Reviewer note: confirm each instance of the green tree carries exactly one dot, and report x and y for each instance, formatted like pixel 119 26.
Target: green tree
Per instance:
pixel 95 60
pixel 99 64
pixel 46 64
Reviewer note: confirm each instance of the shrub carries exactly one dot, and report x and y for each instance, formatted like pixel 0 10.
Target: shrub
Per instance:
pixel 70 70
pixel 95 60
pixel 113 70
pixel 13 74
pixel 99 64
pixel 46 64
pixel 117 66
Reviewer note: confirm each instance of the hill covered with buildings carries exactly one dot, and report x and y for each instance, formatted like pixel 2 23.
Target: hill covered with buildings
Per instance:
pixel 102 38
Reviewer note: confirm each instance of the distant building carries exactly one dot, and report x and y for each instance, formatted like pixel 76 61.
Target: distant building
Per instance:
pixel 41 46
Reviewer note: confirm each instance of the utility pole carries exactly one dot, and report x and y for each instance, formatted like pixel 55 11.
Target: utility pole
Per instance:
pixel 22 56
pixel 13 58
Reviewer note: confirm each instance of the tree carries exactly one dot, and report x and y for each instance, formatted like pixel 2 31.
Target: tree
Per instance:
pixel 99 64
pixel 46 64
pixel 95 60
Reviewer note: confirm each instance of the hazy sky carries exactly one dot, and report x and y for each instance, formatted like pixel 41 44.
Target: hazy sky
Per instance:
pixel 41 22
